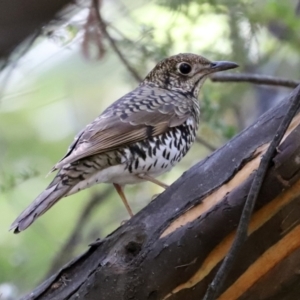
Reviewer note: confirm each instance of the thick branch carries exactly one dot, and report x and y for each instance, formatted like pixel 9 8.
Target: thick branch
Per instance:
pixel 20 19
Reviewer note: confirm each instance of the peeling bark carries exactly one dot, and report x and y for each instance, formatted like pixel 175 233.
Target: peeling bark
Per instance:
pixel 172 248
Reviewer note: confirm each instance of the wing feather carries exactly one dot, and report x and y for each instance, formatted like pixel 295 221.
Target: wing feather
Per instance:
pixel 124 122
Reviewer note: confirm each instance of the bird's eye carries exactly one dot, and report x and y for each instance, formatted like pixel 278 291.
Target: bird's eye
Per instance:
pixel 184 68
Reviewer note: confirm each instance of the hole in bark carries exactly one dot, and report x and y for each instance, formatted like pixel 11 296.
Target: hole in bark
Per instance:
pixel 153 295
pixel 133 249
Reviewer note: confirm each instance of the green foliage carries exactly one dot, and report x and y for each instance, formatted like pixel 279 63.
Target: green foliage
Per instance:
pixel 211 112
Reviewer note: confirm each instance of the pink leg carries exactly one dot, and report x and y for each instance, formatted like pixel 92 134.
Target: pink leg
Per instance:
pixel 120 191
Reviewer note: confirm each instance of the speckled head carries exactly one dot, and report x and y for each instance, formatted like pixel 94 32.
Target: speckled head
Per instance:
pixel 185 72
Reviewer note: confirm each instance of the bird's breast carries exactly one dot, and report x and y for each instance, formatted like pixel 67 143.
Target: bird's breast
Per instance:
pixel 159 154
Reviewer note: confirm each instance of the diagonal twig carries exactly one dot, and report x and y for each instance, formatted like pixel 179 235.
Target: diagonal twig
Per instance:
pixel 200 140
pixel 242 231
pixel 255 78
pixel 113 44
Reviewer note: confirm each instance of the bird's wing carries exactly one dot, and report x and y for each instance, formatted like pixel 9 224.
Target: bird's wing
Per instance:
pixel 143 113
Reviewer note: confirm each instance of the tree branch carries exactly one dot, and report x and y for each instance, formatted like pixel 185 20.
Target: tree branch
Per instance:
pixel 254 78
pixel 113 44
pixel 201 141
pixel 17 23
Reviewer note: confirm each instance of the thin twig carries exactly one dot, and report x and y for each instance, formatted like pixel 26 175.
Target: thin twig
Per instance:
pixel 68 248
pixel 113 44
pixel 254 78
pixel 242 231
pixel 201 141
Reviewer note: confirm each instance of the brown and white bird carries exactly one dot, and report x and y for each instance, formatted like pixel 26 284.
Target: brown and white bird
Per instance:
pixel 139 137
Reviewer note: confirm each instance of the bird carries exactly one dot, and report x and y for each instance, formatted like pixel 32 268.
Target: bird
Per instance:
pixel 140 136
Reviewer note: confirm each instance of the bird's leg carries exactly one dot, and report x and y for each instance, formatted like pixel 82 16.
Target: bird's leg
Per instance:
pixel 120 191
pixel 152 179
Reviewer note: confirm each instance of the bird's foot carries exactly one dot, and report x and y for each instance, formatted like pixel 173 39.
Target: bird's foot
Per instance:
pixel 124 222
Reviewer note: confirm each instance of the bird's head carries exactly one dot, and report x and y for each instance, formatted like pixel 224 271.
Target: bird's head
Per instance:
pixel 185 72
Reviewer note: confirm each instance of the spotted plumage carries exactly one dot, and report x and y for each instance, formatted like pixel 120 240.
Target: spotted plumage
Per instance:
pixel 139 137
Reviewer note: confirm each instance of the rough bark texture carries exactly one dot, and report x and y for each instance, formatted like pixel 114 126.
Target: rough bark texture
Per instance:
pixel 173 247
pixel 21 19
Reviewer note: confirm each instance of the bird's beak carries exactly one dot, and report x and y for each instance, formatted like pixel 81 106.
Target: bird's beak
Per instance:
pixel 217 66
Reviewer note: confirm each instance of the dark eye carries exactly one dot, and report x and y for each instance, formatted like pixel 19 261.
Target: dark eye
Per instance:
pixel 185 68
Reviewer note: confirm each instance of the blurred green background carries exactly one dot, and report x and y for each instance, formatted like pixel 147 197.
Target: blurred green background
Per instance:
pixel 56 89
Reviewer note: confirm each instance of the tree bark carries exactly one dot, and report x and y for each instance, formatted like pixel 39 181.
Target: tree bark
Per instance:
pixel 21 19
pixel 172 248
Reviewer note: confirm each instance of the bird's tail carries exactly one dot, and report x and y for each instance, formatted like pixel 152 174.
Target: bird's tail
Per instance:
pixel 55 191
